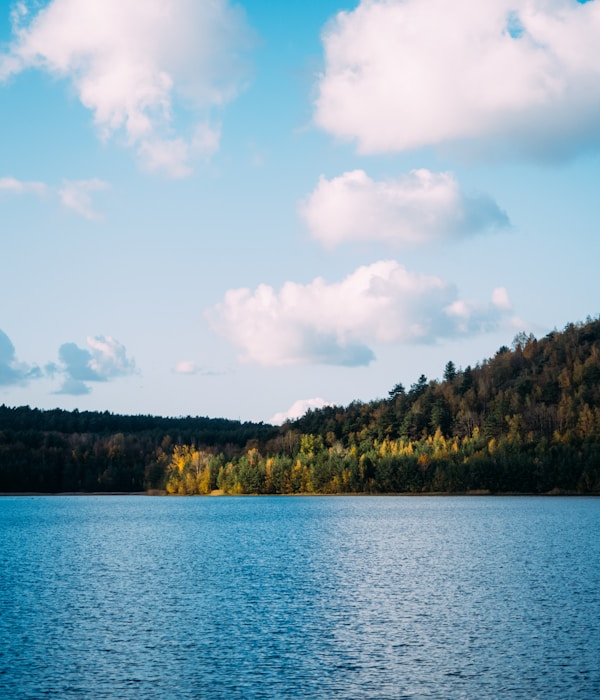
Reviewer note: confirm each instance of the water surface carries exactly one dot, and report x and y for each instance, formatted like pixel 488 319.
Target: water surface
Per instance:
pixel 284 597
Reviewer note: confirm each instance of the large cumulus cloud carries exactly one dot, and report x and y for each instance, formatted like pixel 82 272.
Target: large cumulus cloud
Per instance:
pixel 414 209
pixel 490 77
pixel 339 323
pixel 134 63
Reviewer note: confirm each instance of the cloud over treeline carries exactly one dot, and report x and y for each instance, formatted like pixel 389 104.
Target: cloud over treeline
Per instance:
pixel 298 409
pixel 338 323
pixel 103 359
pixel 415 209
pixel 135 63
pixel 490 77
pixel 12 371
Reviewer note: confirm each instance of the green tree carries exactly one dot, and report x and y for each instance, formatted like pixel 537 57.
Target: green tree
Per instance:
pixel 449 371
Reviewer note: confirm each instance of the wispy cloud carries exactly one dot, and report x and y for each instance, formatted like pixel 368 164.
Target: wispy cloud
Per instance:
pixel 174 156
pixel 132 61
pixel 76 195
pixel 417 208
pixel 486 77
pixel 191 368
pixel 338 323
pixel 14 186
pixel 187 367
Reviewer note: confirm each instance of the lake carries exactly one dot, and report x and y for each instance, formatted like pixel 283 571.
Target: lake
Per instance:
pixel 299 597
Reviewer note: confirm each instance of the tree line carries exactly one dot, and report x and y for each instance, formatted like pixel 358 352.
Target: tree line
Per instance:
pixel 526 421
pixel 64 451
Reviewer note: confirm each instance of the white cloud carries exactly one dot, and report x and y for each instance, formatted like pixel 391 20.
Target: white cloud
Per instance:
pixel 417 208
pixel 104 359
pixel 468 315
pixel 207 139
pixel 75 195
pixel 132 62
pixel 401 74
pixel 109 357
pixel 338 323
pixel 500 299
pixel 14 186
pixel 187 367
pixel 298 409
pixel 174 156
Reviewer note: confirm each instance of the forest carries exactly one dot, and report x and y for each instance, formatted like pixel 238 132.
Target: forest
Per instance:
pixel 526 420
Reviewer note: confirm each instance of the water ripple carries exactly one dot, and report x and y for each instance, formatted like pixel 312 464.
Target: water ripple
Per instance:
pixel 132 597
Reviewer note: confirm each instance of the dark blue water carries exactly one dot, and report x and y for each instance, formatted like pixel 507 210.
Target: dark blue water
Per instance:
pixel 135 597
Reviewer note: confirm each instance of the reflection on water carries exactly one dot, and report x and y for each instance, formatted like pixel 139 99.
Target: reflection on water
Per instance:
pixel 274 597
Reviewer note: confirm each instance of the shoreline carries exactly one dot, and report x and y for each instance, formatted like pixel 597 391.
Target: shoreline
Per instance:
pixel 220 494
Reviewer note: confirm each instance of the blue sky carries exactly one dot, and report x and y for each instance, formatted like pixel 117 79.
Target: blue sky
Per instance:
pixel 242 209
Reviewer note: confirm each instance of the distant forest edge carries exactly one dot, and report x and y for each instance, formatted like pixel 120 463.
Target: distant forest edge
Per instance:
pixel 525 421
